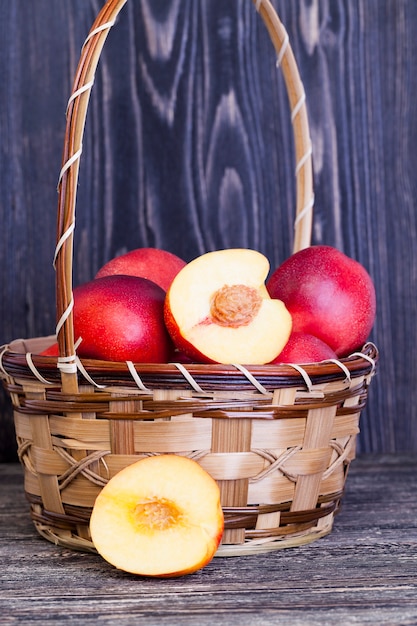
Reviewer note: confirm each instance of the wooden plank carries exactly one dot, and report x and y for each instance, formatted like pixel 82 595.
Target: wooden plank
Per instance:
pixel 365 571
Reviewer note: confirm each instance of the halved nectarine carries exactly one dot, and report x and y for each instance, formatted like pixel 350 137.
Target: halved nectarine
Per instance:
pixel 218 309
pixel 160 516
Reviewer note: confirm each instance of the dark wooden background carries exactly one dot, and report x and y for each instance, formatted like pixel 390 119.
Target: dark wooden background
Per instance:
pixel 188 147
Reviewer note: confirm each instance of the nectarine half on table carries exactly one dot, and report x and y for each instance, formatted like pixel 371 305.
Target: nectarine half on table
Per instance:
pixel 160 516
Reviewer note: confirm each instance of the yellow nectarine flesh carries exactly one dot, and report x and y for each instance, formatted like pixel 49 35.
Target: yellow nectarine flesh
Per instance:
pixel 160 516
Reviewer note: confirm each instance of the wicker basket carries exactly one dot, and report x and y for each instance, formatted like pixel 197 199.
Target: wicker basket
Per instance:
pixel 278 438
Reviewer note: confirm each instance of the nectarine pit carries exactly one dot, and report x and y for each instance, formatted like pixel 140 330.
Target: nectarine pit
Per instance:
pixel 235 305
pixel 157 514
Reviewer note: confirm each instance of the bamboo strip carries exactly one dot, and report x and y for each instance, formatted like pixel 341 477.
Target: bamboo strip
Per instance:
pixel 318 429
pixel 228 437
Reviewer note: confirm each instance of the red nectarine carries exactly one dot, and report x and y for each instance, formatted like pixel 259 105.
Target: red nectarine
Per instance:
pixel 305 348
pixel 157 265
pixel 120 318
pixel 52 350
pixel 329 295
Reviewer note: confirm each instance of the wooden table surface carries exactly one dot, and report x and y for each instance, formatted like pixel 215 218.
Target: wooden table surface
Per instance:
pixel 364 572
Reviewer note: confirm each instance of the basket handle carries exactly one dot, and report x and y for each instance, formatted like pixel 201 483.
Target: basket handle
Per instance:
pixel 68 178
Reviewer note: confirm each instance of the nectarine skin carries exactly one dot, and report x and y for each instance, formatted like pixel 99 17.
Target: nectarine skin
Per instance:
pixel 156 264
pixel 120 318
pixel 187 351
pixel 52 350
pixel 305 348
pixel 329 295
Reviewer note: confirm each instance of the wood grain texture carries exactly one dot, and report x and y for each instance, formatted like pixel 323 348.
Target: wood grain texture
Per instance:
pixel 364 572
pixel 188 146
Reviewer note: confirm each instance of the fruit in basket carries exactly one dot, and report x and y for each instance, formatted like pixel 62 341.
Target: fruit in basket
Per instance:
pixel 52 350
pixel 120 318
pixel 305 348
pixel 218 309
pixel 177 356
pixel 157 265
pixel 329 295
pixel 160 516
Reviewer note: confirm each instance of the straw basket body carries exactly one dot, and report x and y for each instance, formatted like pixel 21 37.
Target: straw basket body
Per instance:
pixel 278 439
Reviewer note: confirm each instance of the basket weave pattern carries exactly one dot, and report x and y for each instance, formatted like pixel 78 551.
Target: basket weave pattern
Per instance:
pixel 280 455
pixel 278 439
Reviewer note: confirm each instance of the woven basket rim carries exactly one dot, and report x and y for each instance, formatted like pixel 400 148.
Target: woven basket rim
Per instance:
pixel 14 362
